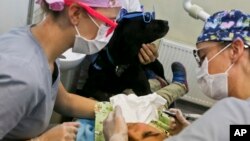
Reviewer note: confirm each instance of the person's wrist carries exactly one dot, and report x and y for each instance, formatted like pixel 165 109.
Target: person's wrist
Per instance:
pixel 119 137
pixel 187 123
pixel 35 139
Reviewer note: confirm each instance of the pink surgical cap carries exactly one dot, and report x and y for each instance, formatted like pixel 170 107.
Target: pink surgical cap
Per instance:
pixel 102 3
pixel 58 5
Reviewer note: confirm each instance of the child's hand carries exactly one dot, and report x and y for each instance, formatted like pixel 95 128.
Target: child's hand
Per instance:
pixel 148 53
pixel 63 132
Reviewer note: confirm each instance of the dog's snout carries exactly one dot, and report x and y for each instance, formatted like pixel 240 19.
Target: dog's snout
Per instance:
pixel 166 23
pixel 165 26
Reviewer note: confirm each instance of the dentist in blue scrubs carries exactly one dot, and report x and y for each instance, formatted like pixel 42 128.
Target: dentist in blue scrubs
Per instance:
pixel 30 87
pixel 223 56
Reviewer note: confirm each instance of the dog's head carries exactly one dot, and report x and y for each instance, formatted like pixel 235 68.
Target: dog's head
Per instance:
pixel 133 30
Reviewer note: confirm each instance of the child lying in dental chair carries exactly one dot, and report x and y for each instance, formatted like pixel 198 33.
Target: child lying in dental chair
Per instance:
pixel 143 114
pixel 139 128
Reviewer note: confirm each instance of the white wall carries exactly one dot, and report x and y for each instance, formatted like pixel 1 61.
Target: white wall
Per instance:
pixel 184 28
pixel 12 13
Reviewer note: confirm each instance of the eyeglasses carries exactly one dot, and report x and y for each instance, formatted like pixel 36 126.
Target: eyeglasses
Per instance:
pixel 94 13
pixel 196 53
pixel 199 60
pixel 112 25
pixel 147 16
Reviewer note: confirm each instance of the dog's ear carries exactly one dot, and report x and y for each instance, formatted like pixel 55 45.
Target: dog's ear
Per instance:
pixel 123 44
pixel 118 35
pixel 131 33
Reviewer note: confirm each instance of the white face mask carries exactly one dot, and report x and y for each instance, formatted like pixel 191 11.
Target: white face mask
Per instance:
pixel 214 86
pixel 83 45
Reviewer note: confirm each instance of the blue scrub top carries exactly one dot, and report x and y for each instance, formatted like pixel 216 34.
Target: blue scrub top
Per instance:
pixel 214 125
pixel 27 95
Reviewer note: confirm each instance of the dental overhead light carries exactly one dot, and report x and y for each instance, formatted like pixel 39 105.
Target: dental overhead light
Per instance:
pixel 195 11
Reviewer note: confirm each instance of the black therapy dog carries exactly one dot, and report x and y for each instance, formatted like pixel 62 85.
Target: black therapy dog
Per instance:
pixel 117 67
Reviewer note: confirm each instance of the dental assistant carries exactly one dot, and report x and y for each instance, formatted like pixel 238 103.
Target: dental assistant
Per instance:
pixel 30 86
pixel 223 56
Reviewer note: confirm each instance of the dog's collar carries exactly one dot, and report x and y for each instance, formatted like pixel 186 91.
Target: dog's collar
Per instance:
pixel 109 59
pixel 109 56
pixel 120 69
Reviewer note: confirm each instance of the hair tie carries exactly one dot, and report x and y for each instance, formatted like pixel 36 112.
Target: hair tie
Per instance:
pixel 54 5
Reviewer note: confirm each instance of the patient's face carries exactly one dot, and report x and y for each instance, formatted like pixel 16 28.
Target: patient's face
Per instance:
pixel 144 132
